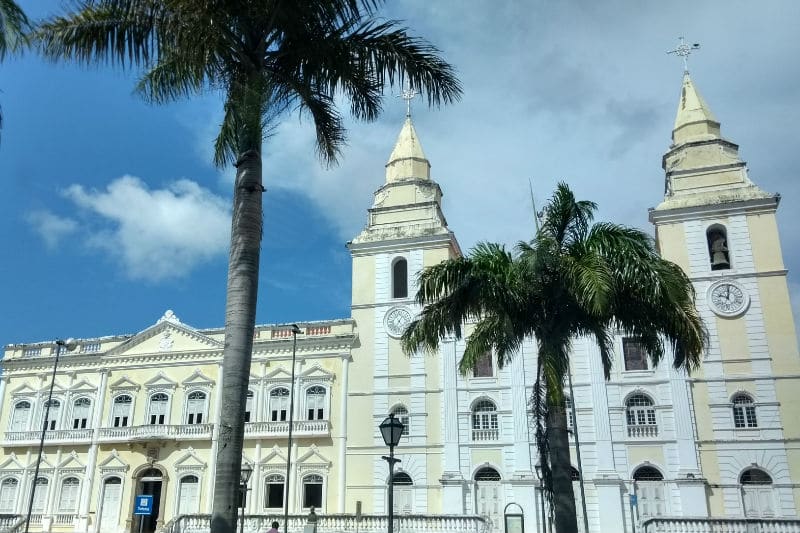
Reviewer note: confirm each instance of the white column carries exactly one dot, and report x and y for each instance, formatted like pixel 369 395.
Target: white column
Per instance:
pixel 91 463
pixel 212 462
pixel 3 382
pixel 340 504
pixel 255 483
pixel 605 452
pixel 293 488
pixel 53 488
pixel 452 480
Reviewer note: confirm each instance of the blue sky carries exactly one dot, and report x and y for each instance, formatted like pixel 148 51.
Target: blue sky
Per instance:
pixel 112 211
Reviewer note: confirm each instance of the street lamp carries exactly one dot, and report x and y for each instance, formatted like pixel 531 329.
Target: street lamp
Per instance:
pixel 391 430
pixel 244 477
pixel 70 344
pixel 295 331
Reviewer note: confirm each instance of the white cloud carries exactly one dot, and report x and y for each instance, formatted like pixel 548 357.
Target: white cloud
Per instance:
pixel 51 227
pixel 156 234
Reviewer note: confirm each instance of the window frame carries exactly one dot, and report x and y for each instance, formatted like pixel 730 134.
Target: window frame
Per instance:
pixel 14 500
pixel 167 408
pixel 641 419
pixel 82 423
pixel 484 422
pixel 74 509
pixel 304 483
pixel 321 412
pixel 743 409
pixel 52 422
pixel 270 480
pixel 189 417
pixel 284 397
pixel 129 416
pixel 27 424
pixel 394 274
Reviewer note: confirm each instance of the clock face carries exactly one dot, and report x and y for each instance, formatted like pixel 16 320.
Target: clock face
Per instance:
pixel 727 299
pixel 397 318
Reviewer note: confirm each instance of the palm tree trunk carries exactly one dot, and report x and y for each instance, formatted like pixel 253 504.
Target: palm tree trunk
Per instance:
pixel 560 464
pixel 240 319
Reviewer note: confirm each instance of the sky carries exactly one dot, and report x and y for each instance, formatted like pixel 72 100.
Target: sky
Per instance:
pixel 112 211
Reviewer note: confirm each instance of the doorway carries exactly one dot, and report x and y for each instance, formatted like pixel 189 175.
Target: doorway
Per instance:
pixel 149 484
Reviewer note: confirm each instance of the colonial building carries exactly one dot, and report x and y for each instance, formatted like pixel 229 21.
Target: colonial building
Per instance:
pixel 138 414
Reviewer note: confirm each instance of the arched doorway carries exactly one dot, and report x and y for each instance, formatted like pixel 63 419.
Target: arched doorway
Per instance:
pixel 759 501
pixel 649 486
pixel 403 493
pixel 488 498
pixel 149 481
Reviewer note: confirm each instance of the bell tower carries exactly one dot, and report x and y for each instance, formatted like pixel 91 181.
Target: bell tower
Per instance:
pixel 721 228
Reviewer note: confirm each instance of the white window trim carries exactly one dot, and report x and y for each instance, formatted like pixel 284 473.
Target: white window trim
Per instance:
pixel 131 413
pixel 300 488
pixel 149 406
pixel 326 403
pixel 31 411
pixel 59 419
pixel 184 474
pixel 90 415
pixel 264 478
pixel 268 402
pixel 206 414
pixel 63 478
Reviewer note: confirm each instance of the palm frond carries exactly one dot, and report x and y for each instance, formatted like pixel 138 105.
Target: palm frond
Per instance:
pixel 14 26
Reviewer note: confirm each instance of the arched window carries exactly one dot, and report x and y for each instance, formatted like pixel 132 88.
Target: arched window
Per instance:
pixel 315 403
pixel 40 494
pixel 757 494
pixel 121 411
pixel 400 278
pixel 719 255
pixel 8 495
pixel 159 403
pixel 641 416
pixel 249 406
pixel 189 495
pixel 273 496
pixel 195 407
pixel 81 411
pixel 484 421
pixel 279 404
pixel 744 412
pixel 52 414
pixel 68 500
pixel 649 487
pixel 21 416
pixel 110 504
pixel 403 493
pixel 488 494
pixel 401 413
pixel 312 491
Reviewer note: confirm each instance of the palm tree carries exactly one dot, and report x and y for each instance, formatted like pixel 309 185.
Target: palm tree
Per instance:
pixel 13 27
pixel 573 279
pixel 267 57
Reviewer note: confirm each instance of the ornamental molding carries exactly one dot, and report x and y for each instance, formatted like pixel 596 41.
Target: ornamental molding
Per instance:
pixel 313 460
pixel 24 390
pixel 317 373
pixel 190 462
pixel 71 462
pixel 198 379
pixel 113 463
pixel 277 375
pixel 166 327
pixel 161 382
pixel 277 455
pixel 82 386
pixel 124 384
pixel 11 464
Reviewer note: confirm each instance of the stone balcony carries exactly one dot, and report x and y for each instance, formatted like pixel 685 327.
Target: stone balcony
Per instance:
pixel 720 525
pixel 54 436
pixel 300 428
pixel 156 432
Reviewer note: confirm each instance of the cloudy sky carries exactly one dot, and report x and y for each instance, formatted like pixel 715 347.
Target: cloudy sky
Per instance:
pixel 112 211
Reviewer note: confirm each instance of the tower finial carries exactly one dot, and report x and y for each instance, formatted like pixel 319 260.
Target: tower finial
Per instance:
pixel 684 50
pixel 408 94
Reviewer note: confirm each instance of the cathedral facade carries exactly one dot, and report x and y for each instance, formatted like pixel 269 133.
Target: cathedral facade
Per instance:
pixel 138 414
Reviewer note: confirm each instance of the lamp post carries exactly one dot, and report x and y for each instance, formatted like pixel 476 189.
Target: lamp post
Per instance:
pixel 391 430
pixel 244 477
pixel 295 331
pixel 70 345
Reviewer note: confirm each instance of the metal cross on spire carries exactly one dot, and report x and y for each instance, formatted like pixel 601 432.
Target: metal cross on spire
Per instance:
pixel 408 94
pixel 684 50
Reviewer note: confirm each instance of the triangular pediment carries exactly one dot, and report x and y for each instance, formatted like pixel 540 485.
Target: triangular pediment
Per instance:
pixel 124 383
pixel 197 379
pixel 190 461
pixel 26 389
pixel 279 374
pixel 45 464
pixel 113 463
pixel 12 463
pixel 275 456
pixel 167 335
pixel 160 381
pixel 83 386
pixel 317 373
pixel 71 462
pixel 314 457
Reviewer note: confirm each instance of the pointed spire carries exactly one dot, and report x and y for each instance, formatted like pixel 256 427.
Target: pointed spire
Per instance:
pixel 407 159
pixel 694 121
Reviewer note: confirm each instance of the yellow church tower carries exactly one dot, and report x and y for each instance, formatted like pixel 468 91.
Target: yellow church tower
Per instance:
pixel 721 229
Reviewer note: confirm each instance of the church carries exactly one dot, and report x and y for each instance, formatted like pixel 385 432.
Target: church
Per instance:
pixel 134 415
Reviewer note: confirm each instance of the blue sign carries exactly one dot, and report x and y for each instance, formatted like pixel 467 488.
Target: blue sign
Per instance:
pixel 144 505
pixel 633 500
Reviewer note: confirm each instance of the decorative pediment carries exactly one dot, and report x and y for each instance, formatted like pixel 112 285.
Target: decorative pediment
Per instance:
pixel 317 373
pixel 24 390
pixel 169 334
pixel 45 463
pixel 71 462
pixel 160 381
pixel 190 462
pixel 279 374
pixel 82 386
pixel 197 379
pixel 274 457
pixel 313 459
pixel 124 383
pixel 113 463
pixel 11 464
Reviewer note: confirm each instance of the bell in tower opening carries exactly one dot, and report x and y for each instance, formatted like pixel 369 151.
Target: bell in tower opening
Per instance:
pixel 718 248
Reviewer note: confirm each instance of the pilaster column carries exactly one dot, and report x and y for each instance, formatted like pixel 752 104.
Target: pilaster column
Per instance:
pixel 255 483
pixel 522 450
pixel 91 462
pixel 605 452
pixel 452 480
pixel 3 382
pixel 612 502
pixel 212 466
pixel 340 504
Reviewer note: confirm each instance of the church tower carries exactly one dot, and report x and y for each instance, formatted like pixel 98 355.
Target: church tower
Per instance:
pixel 721 229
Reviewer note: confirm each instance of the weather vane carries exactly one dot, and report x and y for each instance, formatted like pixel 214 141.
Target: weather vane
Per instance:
pixel 408 94
pixel 684 50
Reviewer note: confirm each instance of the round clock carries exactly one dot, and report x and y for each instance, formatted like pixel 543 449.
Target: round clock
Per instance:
pixel 728 298
pixel 396 320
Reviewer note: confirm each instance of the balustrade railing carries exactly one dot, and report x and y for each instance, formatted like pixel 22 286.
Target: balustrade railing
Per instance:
pixel 485 434
pixel 50 435
pixel 340 523
pixel 300 428
pixel 65 519
pixel 642 431
pixel 10 523
pixel 721 525
pixel 157 431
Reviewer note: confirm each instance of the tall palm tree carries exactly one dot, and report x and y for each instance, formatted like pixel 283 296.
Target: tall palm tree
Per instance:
pixel 267 57
pixel 14 25
pixel 573 279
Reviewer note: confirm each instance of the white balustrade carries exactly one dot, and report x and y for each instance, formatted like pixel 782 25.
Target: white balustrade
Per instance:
pixel 157 431
pixel 301 428
pixel 721 525
pixel 643 431
pixel 65 519
pixel 70 435
pixel 485 434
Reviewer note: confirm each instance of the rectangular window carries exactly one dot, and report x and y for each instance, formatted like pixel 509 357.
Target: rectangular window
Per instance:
pixel 274 496
pixel 483 366
pixel 312 495
pixel 120 421
pixel 635 355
